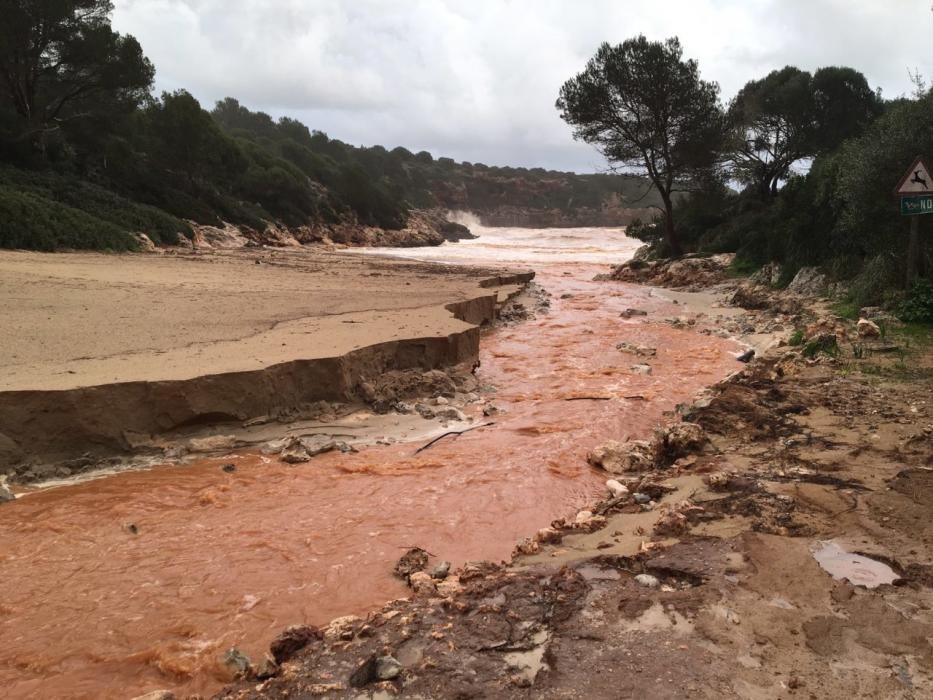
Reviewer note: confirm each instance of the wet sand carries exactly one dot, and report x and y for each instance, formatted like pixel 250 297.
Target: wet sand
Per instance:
pixel 76 320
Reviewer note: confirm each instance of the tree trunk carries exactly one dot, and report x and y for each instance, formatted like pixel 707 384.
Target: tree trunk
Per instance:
pixel 670 232
pixel 913 250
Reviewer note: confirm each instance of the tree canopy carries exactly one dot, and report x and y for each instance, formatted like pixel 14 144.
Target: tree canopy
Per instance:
pixel 645 107
pixel 60 61
pixel 790 115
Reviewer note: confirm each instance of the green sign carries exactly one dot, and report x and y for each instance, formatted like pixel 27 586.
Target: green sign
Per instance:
pixel 920 204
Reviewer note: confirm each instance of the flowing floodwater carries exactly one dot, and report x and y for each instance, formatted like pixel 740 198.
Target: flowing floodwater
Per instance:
pixel 92 608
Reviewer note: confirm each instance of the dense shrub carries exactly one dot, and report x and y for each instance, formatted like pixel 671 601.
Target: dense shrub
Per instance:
pixel 918 305
pixel 98 202
pixel 30 221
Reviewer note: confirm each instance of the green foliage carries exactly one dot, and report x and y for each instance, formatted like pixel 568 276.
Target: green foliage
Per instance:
pixel 30 221
pixel 643 106
pixel 96 201
pixel 823 345
pixel 846 309
pixel 796 338
pixel 918 305
pixel 789 115
pixel 63 64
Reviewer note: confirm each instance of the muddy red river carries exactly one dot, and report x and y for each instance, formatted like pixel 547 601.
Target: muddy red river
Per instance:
pixel 90 610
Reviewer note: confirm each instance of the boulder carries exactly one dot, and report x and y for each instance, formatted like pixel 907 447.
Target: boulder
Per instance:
pixel 637 350
pixel 291 640
pixel 238 662
pixel 680 439
pixel 526 546
pixel 630 312
pixel 422 584
pixel 412 561
pixel 145 246
pixel 227 237
pixel 616 489
pixel 867 329
pixel 768 275
pixel 549 535
pixel 809 282
pixel 294 452
pixel 5 494
pixel 341 628
pixel 647 581
pixel 623 457
pixel 450 413
pixel 749 298
pixel 450 586
pixel 387 668
pixel 642 369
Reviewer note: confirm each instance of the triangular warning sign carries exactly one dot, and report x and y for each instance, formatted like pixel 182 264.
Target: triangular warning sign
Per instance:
pixel 916 180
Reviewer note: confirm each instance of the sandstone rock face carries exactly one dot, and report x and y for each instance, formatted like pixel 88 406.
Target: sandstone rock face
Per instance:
pixel 227 237
pixel 623 457
pixel 145 243
pixel 809 282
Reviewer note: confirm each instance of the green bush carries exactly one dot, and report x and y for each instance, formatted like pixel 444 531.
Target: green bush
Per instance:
pixel 918 306
pixel 96 201
pixel 822 345
pixel 33 222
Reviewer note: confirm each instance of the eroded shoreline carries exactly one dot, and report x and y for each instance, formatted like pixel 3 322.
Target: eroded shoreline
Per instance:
pixel 58 411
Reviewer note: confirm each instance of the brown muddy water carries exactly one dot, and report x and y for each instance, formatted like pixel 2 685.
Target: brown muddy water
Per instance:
pixel 88 609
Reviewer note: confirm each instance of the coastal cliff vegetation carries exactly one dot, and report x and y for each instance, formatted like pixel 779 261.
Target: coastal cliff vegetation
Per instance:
pixel 89 156
pixel 797 170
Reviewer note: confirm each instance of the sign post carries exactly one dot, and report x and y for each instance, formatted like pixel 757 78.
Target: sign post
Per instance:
pixel 916 194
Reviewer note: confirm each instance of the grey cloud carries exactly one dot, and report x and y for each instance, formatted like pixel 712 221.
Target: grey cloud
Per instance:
pixel 477 80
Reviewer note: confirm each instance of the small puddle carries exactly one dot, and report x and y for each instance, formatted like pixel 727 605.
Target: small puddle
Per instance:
pixel 528 663
pixel 857 569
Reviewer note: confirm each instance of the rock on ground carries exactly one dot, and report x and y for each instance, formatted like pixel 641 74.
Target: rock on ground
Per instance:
pixel 867 329
pixel 623 457
pixel 809 282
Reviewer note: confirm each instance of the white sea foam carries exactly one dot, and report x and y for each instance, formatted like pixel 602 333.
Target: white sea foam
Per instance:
pixel 501 245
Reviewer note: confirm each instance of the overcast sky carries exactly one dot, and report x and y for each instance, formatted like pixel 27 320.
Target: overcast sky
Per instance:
pixel 477 79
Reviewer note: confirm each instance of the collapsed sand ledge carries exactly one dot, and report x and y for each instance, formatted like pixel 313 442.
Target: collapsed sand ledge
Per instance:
pixel 106 419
